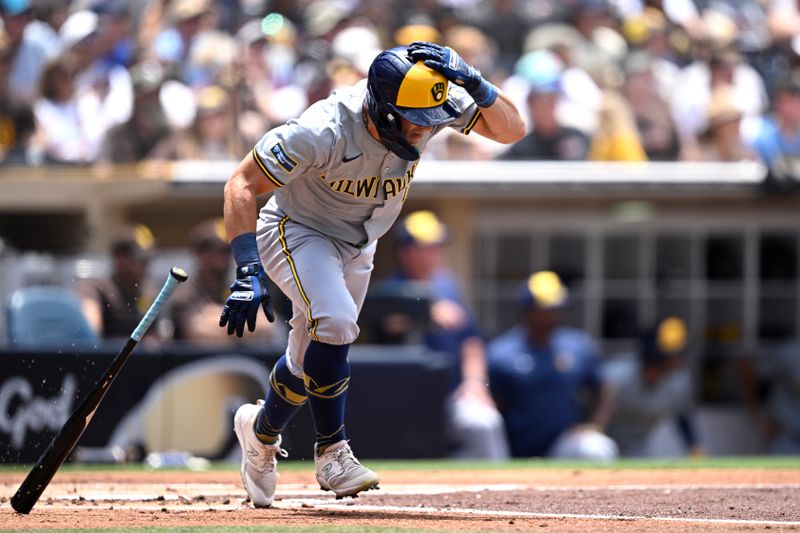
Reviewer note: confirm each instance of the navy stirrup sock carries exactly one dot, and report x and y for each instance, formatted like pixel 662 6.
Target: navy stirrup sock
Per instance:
pixel 327 377
pixel 285 395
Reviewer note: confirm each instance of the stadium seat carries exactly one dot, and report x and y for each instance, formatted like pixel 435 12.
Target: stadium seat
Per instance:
pixel 41 316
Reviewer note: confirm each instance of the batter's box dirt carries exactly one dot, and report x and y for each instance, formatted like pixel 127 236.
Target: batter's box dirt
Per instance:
pixel 547 500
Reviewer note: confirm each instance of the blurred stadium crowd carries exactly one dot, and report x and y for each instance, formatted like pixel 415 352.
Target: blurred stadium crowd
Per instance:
pixel 113 81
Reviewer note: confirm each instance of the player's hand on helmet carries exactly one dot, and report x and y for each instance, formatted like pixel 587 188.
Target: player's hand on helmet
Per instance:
pixel 447 61
pixel 248 293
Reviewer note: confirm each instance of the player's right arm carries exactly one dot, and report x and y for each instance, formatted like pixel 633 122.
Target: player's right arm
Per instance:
pixel 249 291
pixel 240 206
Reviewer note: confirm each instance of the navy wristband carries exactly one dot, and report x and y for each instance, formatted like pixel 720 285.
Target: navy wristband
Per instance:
pixel 485 94
pixel 245 249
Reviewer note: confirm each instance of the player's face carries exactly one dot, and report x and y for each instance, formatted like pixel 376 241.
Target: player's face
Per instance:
pixel 413 133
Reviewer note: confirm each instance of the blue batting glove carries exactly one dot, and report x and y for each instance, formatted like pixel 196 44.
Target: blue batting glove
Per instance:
pixel 248 293
pixel 447 61
pixel 250 290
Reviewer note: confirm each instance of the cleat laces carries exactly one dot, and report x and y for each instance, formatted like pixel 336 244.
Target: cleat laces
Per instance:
pixel 344 456
pixel 264 460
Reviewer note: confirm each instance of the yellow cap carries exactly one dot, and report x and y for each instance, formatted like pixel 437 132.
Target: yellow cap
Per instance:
pixel 671 336
pixel 423 228
pixel 547 290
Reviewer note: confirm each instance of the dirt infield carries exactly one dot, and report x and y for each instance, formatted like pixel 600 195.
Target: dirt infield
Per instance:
pixel 490 500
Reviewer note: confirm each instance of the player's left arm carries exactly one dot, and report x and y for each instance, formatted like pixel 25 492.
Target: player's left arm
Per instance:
pixel 498 117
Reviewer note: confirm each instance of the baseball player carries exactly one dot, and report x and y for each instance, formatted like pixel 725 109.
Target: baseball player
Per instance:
pixel 340 174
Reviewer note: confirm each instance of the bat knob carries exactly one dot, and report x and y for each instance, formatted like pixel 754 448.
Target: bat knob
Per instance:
pixel 179 274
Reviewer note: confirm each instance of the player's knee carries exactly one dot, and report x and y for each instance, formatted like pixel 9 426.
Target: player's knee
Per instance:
pixel 339 327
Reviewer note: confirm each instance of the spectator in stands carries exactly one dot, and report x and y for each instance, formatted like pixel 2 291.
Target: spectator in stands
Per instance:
pixel 114 305
pixel 473 421
pixel 723 139
pixel 274 66
pixel 541 370
pixel 186 19
pixel 579 94
pixel 777 137
pixel 24 150
pixel 269 91
pixel 649 32
pixel 30 47
pixel 134 140
pixel 653 386
pixel 696 82
pixel 196 305
pixel 651 112
pixel 212 136
pixel 549 140
pixel 506 25
pixel 783 20
pixel 63 126
pixel 212 59
pixel 103 87
pixel 616 138
pixel 49 16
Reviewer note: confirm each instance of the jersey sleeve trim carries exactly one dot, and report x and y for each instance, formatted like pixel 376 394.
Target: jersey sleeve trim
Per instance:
pixel 468 128
pixel 263 168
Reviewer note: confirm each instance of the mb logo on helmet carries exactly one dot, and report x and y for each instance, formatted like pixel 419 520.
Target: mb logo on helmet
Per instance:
pixel 437 91
pixel 400 88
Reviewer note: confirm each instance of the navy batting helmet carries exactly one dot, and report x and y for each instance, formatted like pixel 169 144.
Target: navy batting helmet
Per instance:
pixel 398 87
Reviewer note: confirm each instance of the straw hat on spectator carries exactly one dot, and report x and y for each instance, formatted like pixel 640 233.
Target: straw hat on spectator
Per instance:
pixel 720 29
pixel 551 37
pixel 180 10
pixel 322 16
pixel 214 51
pixel 721 108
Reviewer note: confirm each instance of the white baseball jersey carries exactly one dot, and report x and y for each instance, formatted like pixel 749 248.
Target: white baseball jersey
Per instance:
pixel 333 176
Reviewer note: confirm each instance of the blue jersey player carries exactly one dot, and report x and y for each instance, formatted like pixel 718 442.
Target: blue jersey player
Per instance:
pixel 340 174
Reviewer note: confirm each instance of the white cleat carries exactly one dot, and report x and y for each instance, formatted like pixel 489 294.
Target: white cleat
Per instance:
pixel 339 471
pixel 259 465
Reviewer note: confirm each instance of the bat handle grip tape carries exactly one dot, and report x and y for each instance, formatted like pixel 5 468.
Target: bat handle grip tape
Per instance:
pixel 175 277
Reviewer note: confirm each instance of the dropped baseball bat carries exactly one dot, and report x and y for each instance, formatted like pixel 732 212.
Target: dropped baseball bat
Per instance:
pixel 62 444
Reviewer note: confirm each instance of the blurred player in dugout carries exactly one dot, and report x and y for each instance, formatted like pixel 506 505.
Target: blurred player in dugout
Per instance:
pixel 194 308
pixel 115 304
pixel 651 387
pixel 546 378
pixel 474 424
